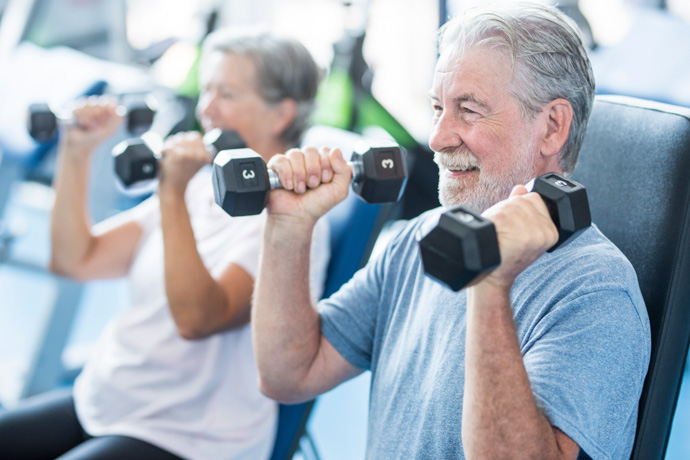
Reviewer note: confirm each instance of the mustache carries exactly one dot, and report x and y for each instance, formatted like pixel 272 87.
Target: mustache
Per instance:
pixel 459 159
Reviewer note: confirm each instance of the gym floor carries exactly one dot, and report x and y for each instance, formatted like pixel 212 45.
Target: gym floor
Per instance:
pixel 338 423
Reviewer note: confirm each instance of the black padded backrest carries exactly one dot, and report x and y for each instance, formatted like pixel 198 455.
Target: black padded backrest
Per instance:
pixel 635 164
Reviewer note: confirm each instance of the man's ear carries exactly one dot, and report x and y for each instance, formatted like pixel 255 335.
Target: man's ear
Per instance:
pixel 284 112
pixel 558 115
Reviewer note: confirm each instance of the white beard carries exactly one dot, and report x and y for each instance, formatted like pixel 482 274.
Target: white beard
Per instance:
pixel 488 190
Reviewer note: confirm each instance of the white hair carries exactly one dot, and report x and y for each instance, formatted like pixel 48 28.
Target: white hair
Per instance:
pixel 548 57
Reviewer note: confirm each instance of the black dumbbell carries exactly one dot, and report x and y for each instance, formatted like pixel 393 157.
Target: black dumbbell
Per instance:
pixel 241 179
pixel 135 161
pixel 43 123
pixel 462 245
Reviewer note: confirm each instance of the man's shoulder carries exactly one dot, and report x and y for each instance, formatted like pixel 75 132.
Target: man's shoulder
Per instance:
pixel 590 265
pixel 592 250
pixel 404 232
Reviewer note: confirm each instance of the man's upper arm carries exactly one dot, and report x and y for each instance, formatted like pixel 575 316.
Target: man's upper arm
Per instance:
pixel 567 448
pixel 328 370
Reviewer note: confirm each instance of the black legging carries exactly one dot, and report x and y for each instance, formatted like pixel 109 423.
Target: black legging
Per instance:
pixel 46 427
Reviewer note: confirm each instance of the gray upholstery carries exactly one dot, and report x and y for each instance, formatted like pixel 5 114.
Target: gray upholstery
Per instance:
pixel 635 164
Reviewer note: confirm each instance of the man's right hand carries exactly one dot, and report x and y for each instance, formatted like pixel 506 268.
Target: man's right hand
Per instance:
pixel 95 120
pixel 295 361
pixel 313 182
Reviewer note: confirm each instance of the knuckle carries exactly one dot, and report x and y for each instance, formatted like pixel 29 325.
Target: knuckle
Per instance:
pixel 279 164
pixel 314 162
pixel 294 153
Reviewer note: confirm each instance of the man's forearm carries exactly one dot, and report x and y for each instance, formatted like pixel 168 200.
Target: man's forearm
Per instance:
pixel 500 415
pixel 285 323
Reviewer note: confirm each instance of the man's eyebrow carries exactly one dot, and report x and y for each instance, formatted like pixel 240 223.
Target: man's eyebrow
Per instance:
pixel 466 97
pixel 469 97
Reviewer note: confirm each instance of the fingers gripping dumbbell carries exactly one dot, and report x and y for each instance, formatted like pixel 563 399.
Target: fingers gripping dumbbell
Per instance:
pixel 135 161
pixel 43 122
pixel 241 179
pixel 462 245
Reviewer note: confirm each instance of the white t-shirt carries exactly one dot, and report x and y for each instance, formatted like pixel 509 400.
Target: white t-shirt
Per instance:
pixel 197 399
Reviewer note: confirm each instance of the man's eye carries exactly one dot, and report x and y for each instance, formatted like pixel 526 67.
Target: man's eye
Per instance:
pixel 467 111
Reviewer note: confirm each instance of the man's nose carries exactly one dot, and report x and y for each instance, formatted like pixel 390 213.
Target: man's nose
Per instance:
pixel 445 133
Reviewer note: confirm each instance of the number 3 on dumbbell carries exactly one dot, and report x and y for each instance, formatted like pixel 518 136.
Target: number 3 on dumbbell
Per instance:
pixel 241 179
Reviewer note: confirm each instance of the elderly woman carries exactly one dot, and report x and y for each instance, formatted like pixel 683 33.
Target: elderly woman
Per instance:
pixel 174 375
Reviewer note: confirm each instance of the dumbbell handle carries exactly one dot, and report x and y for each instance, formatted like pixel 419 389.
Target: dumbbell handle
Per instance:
pixel 357 171
pixel 66 117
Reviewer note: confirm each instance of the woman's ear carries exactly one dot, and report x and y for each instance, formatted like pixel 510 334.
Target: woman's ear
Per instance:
pixel 284 112
pixel 558 117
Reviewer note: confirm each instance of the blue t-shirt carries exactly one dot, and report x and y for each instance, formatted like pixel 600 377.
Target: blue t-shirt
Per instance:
pixel 583 331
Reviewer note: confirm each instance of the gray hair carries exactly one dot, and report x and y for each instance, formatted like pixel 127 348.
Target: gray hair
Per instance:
pixel 548 57
pixel 284 69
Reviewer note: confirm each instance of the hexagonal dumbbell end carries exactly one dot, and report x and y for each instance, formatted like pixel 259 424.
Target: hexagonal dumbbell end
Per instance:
pixel 567 203
pixel 217 140
pixel 240 182
pixel 134 162
pixel 140 116
pixel 457 247
pixel 380 173
pixel 41 122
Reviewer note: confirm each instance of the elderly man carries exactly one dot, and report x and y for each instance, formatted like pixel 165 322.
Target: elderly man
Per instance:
pixel 543 358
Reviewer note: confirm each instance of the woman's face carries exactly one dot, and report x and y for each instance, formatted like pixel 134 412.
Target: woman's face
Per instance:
pixel 229 100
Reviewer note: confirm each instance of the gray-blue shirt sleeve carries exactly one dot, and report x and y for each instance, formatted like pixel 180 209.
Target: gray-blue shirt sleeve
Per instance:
pixel 348 317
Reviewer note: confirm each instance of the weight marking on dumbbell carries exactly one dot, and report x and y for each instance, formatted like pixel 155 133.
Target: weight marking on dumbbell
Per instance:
pixel 147 168
pixel 466 218
pixel 388 163
pixel 561 183
pixel 248 174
